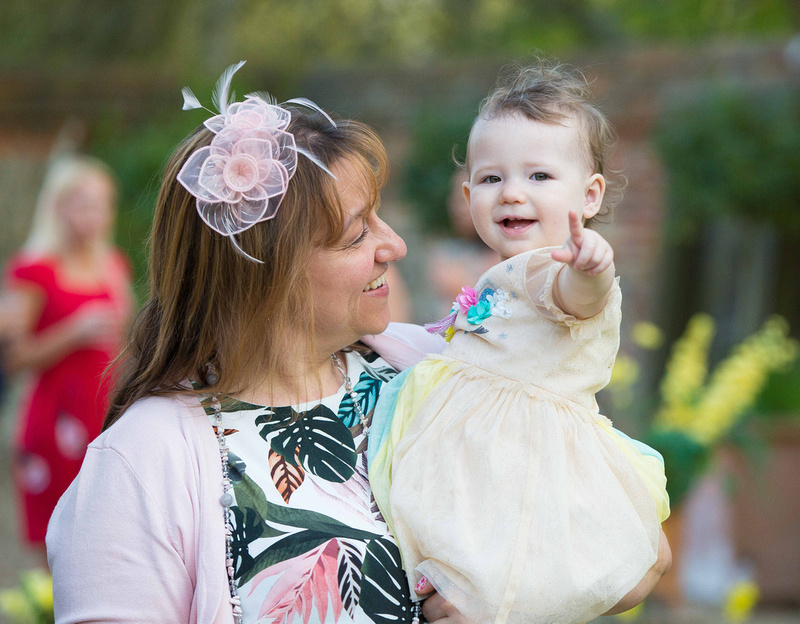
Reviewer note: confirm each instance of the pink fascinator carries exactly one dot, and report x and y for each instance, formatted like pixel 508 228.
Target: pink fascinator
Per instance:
pixel 241 178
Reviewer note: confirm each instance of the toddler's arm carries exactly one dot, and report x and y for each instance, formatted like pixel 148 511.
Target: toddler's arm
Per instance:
pixel 583 285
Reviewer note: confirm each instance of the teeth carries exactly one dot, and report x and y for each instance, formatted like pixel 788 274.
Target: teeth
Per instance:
pixel 376 283
pixel 516 224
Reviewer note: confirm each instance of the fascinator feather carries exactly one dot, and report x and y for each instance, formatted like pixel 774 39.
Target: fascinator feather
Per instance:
pixel 241 177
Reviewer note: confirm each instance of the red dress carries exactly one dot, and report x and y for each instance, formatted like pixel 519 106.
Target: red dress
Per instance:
pixel 65 404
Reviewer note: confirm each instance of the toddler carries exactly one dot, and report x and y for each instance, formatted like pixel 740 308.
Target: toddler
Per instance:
pixel 502 482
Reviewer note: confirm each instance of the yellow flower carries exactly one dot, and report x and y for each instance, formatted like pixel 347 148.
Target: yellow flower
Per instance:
pixel 449 333
pixel 740 601
pixel 632 614
pixel 38 585
pixel 15 605
pixel 647 335
pixel 625 372
pixel 738 380
pixel 707 411
pixel 686 369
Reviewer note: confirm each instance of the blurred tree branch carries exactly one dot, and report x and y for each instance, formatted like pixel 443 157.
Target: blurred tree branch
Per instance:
pixel 290 36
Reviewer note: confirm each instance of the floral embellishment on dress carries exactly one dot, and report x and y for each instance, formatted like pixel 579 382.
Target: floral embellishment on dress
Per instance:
pixel 477 307
pixel 467 299
pixel 479 312
pixel 490 303
pixel 498 300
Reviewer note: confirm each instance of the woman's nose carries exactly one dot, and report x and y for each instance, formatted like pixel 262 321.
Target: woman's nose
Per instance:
pixel 391 247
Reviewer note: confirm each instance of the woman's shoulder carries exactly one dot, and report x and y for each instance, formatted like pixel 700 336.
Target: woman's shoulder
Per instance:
pixel 158 430
pixel 404 344
pixel 28 267
pixel 121 261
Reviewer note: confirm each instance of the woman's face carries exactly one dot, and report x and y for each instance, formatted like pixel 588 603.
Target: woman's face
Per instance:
pixel 348 279
pixel 87 210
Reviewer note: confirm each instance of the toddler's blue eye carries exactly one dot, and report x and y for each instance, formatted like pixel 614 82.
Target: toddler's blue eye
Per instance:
pixel 492 179
pixel 540 177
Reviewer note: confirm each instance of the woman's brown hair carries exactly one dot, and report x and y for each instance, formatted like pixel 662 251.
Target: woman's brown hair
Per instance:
pixel 210 304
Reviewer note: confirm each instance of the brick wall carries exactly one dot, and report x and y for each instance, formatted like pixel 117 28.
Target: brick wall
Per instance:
pixel 632 86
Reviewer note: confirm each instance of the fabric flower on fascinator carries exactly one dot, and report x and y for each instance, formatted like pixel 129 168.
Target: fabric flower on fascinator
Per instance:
pixel 241 178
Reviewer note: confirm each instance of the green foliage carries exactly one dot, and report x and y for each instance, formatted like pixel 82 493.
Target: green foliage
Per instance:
pixel 137 154
pixel 293 36
pixel 781 394
pixel 684 460
pixel 60 33
pixel 428 173
pixel 731 152
pixel 693 19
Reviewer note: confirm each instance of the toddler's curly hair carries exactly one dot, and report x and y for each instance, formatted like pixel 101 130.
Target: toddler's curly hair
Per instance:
pixel 551 92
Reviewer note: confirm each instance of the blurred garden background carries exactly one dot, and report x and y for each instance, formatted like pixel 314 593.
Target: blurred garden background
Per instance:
pixel 705 96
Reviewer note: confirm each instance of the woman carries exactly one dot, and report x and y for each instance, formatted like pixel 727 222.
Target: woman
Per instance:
pixel 71 293
pixel 265 323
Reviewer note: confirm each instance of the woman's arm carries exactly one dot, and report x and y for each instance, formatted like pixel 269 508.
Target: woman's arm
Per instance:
pixel 138 536
pixel 91 324
pixel 110 552
pixel 437 609
pixel 404 344
pixel 646 585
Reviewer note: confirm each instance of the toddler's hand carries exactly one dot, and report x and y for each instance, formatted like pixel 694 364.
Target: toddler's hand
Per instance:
pixel 585 250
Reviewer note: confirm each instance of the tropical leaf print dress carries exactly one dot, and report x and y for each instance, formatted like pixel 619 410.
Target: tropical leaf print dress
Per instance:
pixel 309 542
pixel 508 489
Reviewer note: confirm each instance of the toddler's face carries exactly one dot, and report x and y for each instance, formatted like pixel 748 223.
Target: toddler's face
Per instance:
pixel 525 176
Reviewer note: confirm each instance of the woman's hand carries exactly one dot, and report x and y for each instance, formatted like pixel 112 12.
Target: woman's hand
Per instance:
pixel 96 324
pixel 436 609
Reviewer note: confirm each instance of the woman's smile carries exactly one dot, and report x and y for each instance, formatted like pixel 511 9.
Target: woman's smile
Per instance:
pixel 349 301
pixel 378 284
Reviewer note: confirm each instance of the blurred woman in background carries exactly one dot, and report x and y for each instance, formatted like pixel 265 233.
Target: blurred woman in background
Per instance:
pixel 72 290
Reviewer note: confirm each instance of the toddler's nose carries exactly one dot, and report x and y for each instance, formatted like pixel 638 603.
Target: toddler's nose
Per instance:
pixel 512 193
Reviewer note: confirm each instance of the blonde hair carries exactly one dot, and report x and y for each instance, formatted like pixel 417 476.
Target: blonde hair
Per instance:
pixel 208 303
pixel 64 175
pixel 550 92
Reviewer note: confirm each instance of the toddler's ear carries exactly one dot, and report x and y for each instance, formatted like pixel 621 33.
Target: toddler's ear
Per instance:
pixel 593 197
pixel 465 189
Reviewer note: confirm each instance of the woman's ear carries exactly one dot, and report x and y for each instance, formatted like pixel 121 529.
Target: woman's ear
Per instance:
pixel 593 197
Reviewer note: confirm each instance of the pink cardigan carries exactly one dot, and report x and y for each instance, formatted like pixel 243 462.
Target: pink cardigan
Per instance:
pixel 138 536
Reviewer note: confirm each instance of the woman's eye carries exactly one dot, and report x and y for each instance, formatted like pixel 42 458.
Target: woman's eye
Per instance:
pixel 540 177
pixel 362 236
pixel 491 179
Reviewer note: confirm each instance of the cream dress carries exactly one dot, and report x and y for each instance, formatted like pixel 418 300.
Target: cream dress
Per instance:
pixel 502 482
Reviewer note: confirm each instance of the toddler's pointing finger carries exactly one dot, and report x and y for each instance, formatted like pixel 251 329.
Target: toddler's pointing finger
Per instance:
pixel 575 228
